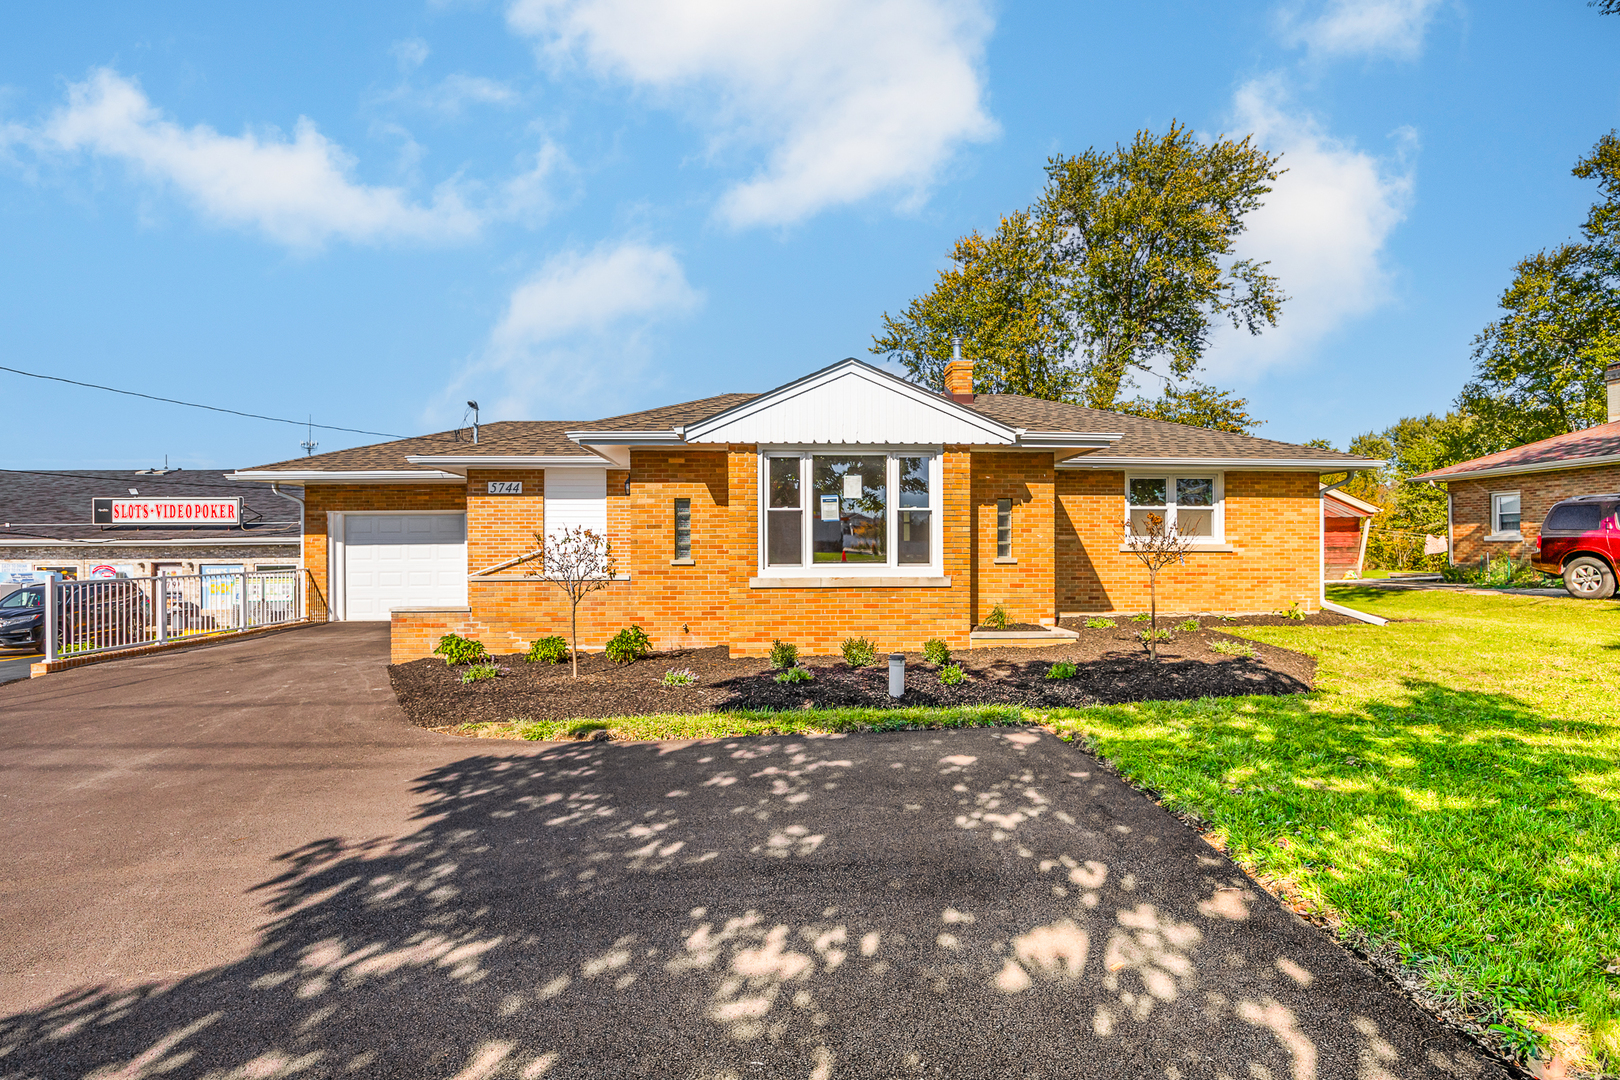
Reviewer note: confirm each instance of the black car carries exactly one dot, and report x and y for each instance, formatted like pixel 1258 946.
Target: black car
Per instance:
pixel 22 618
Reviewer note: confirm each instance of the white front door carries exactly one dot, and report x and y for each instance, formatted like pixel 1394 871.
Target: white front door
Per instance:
pixel 403 560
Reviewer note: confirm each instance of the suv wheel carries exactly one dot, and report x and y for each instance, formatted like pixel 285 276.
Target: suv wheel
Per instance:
pixel 1588 578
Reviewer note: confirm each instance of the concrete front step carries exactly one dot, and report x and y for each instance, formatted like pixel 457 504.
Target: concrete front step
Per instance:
pixel 1055 635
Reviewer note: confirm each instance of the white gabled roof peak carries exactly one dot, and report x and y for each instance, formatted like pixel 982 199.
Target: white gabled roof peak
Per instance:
pixel 850 402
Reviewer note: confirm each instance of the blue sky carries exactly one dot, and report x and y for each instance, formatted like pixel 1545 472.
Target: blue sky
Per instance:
pixel 575 208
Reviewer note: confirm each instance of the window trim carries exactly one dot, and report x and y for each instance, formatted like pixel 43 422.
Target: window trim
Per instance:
pixel 1494 534
pixel 882 573
pixel 1216 541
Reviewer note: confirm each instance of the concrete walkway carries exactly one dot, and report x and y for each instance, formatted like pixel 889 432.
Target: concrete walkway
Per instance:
pixel 240 861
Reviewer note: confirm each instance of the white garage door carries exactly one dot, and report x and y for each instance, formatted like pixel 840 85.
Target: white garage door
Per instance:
pixel 408 560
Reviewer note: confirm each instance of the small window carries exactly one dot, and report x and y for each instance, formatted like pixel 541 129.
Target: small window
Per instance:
pixel 914 548
pixel 1185 505
pixel 683 528
pixel 1003 528
pixel 1505 513
pixel 784 517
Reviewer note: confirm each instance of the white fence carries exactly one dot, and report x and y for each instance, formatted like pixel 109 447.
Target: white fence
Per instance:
pixel 107 614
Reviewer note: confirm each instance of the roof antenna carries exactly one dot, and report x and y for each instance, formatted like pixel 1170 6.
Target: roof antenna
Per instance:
pixel 473 405
pixel 309 444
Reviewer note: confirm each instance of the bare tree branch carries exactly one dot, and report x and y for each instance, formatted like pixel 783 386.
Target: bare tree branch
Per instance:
pixel 1157 548
pixel 579 562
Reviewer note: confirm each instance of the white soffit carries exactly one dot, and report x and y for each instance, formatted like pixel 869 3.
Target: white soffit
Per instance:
pixel 850 403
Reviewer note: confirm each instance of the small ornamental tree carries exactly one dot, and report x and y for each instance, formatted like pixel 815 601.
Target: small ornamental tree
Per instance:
pixel 1157 548
pixel 578 561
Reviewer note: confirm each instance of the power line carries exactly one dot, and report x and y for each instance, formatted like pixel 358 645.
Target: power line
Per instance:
pixel 194 405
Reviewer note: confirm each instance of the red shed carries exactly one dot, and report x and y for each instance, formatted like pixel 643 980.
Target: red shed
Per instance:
pixel 1345 521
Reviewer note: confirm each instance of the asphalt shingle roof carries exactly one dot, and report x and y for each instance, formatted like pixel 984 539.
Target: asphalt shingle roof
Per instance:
pixel 1144 438
pixel 1601 440
pixel 28 497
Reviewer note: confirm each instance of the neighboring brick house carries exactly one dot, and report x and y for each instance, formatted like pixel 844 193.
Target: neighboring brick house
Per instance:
pixel 1496 503
pixel 846 503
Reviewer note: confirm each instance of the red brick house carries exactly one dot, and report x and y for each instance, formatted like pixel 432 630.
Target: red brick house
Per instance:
pixel 1496 503
pixel 849 502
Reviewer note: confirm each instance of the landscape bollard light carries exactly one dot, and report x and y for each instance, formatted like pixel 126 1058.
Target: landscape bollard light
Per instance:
pixel 897 674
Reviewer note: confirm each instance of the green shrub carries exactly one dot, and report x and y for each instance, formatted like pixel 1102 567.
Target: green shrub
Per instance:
pixel 1062 670
pixel 683 677
pixel 1146 616
pixel 1293 612
pixel 1498 573
pixel 480 671
pixel 784 654
pixel 629 644
pixel 548 650
pixel 997 619
pixel 459 650
pixel 795 674
pixel 1188 625
pixel 1233 648
pixel 1097 622
pixel 936 652
pixel 951 674
pixel 1146 636
pixel 858 652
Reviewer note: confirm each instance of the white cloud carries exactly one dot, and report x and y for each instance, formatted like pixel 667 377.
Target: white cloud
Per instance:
pixel 410 53
pixel 1323 227
pixel 298 192
pixel 1362 28
pixel 850 98
pixel 576 335
pixel 455 92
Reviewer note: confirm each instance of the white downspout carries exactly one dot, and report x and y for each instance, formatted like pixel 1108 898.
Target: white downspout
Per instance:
pixel 275 489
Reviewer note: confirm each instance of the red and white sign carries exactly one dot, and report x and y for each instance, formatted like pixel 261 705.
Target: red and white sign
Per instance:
pixel 172 511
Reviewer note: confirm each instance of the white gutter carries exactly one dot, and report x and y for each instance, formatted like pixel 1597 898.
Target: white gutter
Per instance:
pixel 1250 464
pixel 275 489
pixel 351 476
pixel 463 462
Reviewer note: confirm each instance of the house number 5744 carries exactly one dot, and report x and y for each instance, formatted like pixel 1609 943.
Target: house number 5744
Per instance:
pixel 506 487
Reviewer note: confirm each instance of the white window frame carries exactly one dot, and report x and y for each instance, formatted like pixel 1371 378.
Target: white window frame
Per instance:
pixel 1496 533
pixel 1217 527
pixel 892 567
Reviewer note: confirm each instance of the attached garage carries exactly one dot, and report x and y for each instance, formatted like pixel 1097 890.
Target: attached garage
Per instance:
pixel 389 561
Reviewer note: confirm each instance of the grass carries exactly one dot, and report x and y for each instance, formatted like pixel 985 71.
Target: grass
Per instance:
pixel 1451 792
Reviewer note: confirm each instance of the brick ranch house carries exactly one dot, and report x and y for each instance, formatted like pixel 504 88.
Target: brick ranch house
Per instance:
pixel 847 503
pixel 1496 503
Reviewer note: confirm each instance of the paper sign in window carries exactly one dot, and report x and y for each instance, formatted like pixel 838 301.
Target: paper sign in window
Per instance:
pixel 852 485
pixel 829 508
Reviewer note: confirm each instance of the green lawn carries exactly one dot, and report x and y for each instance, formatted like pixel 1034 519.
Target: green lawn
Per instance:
pixel 1451 792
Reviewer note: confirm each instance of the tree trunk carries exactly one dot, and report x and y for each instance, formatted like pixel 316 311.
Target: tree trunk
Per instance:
pixel 1153 616
pixel 573 641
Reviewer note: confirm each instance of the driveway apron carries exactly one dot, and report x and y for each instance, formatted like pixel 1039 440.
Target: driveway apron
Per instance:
pixel 242 861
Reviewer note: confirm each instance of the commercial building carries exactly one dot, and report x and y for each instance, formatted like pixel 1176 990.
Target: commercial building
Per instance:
pixel 84 523
pixel 846 503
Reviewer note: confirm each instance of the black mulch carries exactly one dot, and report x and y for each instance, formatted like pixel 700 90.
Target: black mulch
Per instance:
pixel 1112 667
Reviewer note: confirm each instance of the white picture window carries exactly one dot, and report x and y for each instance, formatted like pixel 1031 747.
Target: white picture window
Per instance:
pixel 1505 513
pixel 855 511
pixel 1189 504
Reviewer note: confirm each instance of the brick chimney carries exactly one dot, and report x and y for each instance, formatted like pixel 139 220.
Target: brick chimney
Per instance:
pixel 1611 379
pixel 959 378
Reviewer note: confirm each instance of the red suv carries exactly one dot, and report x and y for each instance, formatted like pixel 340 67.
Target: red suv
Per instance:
pixel 1581 540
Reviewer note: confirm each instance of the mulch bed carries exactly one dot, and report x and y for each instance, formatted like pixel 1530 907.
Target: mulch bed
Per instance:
pixel 1113 668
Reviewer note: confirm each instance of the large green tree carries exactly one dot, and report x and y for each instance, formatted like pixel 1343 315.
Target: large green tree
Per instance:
pixel 1126 263
pixel 1538 368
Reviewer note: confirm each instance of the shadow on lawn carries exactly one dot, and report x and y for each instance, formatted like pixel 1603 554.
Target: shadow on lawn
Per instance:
pixel 978 903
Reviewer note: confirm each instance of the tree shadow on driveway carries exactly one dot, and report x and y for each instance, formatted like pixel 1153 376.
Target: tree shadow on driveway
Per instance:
pixel 976 903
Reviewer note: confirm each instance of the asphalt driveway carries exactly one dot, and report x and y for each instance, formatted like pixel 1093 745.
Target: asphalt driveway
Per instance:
pixel 241 861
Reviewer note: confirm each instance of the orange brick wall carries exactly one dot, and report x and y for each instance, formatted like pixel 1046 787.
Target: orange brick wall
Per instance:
pixel 1273 520
pixel 817 620
pixel 321 498
pixel 1026 588
pixel 1471 507
pixel 502 527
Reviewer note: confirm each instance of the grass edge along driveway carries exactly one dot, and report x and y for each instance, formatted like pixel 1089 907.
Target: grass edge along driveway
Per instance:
pixel 1449 796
